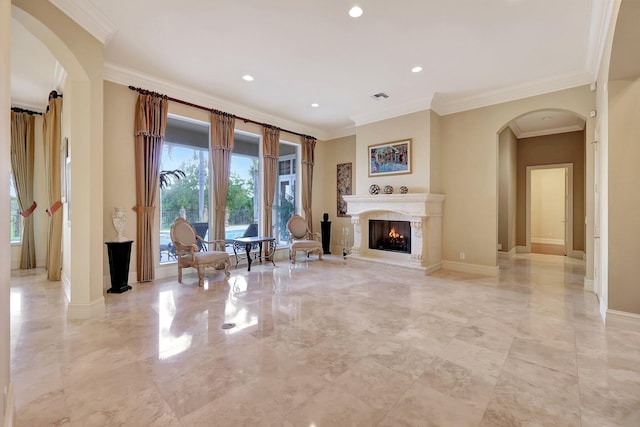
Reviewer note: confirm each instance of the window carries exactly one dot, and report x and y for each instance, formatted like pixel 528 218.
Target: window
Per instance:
pixel 243 195
pixel 285 201
pixel 184 179
pixel 15 234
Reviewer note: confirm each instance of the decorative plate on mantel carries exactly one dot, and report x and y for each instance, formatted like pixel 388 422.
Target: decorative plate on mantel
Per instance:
pixel 374 189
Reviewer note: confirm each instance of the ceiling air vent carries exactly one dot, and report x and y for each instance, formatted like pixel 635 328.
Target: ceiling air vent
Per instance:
pixel 380 96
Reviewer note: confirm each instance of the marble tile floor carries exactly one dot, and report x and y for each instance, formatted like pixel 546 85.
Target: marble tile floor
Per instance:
pixel 328 343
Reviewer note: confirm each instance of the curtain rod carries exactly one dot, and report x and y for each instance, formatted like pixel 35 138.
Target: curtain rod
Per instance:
pixel 211 110
pixel 24 110
pixel 54 94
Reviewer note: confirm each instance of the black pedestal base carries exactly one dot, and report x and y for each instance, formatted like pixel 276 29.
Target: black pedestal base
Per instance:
pixel 119 290
pixel 325 226
pixel 119 256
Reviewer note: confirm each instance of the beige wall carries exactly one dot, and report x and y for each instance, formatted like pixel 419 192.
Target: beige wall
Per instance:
pixel 507 158
pixel 341 150
pixel 435 153
pixel 624 199
pixel 119 177
pixel 548 206
pixel 469 144
pixel 548 150
pixel 415 126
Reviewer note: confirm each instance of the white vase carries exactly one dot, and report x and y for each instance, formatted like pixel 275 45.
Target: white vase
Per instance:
pixel 119 218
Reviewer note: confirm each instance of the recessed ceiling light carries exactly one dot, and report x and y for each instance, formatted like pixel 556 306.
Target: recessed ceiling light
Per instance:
pixel 416 69
pixel 315 105
pixel 247 77
pixel 355 12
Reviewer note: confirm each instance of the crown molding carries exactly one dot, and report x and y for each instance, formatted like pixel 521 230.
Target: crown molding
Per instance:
pixel 553 131
pixel 128 77
pixel 341 133
pixel 396 111
pixel 449 104
pixel 601 21
pixel 59 77
pixel 515 128
pixel 89 17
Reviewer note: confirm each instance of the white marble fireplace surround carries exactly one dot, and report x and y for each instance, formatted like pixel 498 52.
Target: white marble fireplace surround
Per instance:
pixel 423 211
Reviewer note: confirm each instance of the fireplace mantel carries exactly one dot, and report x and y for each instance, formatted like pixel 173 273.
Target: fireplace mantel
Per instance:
pixel 419 204
pixel 423 210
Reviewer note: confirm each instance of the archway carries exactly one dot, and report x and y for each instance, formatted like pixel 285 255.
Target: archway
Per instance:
pixel 82 57
pixel 619 130
pixel 534 140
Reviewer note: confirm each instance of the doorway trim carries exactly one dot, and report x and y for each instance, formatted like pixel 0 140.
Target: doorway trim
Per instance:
pixel 568 243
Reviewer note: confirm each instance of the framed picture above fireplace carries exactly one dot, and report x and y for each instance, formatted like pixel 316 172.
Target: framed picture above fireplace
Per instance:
pixel 390 158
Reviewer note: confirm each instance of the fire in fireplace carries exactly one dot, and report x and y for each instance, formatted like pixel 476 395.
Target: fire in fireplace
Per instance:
pixel 390 235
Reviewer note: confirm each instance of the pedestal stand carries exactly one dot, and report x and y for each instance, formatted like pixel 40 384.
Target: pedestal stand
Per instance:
pixel 119 257
pixel 325 226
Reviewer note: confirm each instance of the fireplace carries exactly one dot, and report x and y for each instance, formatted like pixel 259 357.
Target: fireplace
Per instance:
pixel 392 236
pixel 417 217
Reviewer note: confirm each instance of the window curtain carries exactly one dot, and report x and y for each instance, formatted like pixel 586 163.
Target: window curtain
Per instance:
pixel 149 130
pixel 308 147
pixel 222 126
pixel 270 152
pixel 52 137
pixel 22 155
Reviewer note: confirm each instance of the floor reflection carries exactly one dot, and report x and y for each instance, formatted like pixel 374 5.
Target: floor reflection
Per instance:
pixel 236 311
pixel 168 344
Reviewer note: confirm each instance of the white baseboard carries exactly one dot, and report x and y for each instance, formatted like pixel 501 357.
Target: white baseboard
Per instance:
pixel 523 250
pixel 589 285
pixel 86 311
pixel 507 255
pixel 9 407
pixel 484 270
pixel 577 254
pixel 546 241
pixel 623 320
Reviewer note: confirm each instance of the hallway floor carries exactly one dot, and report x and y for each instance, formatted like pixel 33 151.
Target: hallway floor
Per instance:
pixel 328 343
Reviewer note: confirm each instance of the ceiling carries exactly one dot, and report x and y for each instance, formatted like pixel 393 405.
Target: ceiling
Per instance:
pixel 34 70
pixel 473 53
pixel 546 122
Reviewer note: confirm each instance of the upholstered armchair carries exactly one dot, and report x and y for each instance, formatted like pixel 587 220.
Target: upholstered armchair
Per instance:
pixel 301 239
pixel 189 254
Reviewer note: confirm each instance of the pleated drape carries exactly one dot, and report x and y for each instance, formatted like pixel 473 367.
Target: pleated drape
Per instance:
pixel 22 158
pixel 270 153
pixel 308 148
pixel 149 130
pixel 52 137
pixel 222 127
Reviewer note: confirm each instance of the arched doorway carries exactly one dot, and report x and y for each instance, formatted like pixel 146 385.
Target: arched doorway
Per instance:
pixel 536 141
pixel 81 56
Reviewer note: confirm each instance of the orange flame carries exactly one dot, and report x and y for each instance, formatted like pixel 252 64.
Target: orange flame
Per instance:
pixel 394 234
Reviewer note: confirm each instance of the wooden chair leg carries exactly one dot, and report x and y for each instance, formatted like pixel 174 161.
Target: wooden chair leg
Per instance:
pixel 179 274
pixel 200 276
